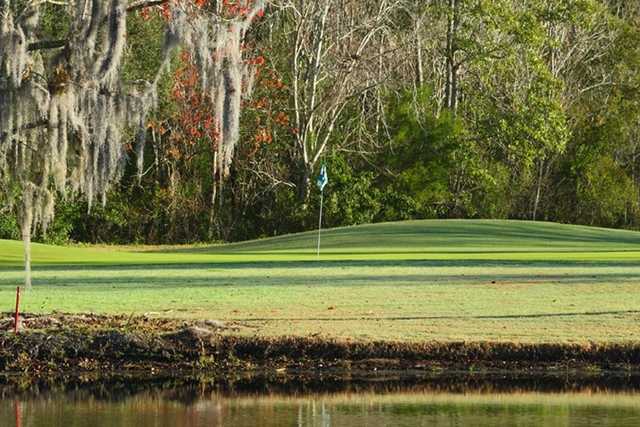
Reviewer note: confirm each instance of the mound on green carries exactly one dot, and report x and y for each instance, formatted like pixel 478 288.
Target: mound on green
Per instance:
pixel 412 281
pixel 447 236
pixel 410 240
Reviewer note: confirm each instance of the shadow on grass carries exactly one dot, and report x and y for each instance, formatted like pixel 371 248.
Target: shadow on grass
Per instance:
pixel 502 251
pixel 445 317
pixel 331 264
pixel 293 273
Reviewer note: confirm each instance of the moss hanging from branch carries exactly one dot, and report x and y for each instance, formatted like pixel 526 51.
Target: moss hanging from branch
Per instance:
pixel 64 118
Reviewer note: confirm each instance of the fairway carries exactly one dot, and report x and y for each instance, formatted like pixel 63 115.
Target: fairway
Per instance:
pixel 410 281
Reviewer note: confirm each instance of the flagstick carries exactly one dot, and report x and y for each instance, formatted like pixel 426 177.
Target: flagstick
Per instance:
pixel 320 220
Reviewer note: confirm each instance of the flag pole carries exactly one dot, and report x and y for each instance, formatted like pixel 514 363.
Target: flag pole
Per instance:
pixel 322 182
pixel 320 220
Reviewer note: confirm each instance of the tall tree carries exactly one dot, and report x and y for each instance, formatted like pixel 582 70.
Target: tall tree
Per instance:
pixel 333 51
pixel 66 110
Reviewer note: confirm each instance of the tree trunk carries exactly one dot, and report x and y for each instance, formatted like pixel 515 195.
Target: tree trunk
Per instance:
pixel 536 201
pixel 451 89
pixel 214 193
pixel 419 60
pixel 26 229
pixel 304 186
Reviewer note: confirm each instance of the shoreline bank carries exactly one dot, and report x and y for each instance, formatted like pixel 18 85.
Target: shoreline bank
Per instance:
pixel 62 343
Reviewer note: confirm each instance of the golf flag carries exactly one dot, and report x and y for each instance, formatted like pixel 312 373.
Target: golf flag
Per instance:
pixel 323 178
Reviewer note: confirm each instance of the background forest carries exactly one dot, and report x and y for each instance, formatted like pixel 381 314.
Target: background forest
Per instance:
pixel 523 109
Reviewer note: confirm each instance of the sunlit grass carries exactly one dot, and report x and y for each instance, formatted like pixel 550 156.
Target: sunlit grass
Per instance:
pixel 414 281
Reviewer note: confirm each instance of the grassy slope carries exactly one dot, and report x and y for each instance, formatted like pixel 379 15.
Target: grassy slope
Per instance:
pixel 418 280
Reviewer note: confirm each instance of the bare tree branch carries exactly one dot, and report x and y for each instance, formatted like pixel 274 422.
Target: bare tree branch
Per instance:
pixel 57 44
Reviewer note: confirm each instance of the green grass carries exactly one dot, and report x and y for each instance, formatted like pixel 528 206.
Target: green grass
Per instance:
pixel 413 281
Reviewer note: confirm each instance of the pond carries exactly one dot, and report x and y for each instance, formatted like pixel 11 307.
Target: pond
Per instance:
pixel 316 402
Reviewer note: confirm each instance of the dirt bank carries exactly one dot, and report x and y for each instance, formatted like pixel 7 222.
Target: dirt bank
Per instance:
pixel 72 343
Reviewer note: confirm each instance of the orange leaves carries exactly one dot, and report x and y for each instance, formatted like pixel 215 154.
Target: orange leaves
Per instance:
pixel 145 13
pixel 164 10
pixel 236 8
pixel 274 83
pixel 270 98
pixel 258 61
pixel 196 124
pixel 185 79
pixel 281 119
pixel 174 152
pixel 231 8
pixel 157 127
pixel 240 8
pixel 194 121
pixel 261 104
pixel 263 136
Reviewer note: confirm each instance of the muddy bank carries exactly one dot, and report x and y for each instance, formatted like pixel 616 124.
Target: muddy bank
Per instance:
pixel 90 343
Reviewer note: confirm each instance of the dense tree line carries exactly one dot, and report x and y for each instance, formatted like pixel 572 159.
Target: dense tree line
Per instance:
pixel 526 109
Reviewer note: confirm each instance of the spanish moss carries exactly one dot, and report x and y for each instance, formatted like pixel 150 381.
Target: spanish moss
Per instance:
pixel 66 117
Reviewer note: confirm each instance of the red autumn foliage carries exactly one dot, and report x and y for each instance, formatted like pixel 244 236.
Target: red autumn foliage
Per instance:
pixel 231 8
pixel 194 121
pixel 194 125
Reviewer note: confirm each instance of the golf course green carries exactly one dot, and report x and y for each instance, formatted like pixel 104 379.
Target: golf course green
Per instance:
pixel 431 280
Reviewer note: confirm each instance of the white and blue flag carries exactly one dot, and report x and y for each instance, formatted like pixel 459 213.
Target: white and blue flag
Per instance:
pixel 323 178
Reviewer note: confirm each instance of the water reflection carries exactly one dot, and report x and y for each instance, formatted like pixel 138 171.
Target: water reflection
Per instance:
pixel 294 402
